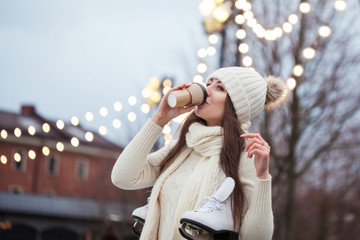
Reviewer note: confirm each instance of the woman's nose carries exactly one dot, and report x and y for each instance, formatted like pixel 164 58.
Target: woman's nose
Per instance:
pixel 208 91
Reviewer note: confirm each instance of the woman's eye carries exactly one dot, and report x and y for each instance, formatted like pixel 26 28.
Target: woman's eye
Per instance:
pixel 220 88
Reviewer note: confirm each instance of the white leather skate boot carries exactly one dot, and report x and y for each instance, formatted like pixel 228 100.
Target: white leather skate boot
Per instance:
pixel 139 215
pixel 214 219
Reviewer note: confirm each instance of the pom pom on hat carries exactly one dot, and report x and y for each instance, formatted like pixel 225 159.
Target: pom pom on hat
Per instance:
pixel 250 92
pixel 276 92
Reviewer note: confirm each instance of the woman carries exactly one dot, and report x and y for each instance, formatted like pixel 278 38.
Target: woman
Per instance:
pixel 212 140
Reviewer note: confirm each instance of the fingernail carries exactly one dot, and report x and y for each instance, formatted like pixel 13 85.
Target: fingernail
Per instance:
pixel 242 135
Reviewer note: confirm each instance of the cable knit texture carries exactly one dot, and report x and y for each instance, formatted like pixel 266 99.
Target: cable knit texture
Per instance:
pixel 198 165
pixel 246 88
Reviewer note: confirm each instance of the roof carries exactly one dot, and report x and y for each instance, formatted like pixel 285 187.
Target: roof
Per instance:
pixel 60 207
pixel 29 117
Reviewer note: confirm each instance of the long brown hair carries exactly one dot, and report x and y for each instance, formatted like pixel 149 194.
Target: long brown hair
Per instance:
pixel 230 153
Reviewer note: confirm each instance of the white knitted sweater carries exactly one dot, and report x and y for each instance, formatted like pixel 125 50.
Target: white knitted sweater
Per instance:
pixel 136 168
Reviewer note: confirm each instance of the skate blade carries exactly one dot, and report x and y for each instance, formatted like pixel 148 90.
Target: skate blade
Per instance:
pixel 193 232
pixel 138 227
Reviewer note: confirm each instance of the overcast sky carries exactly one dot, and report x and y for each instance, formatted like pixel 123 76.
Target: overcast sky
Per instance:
pixel 68 57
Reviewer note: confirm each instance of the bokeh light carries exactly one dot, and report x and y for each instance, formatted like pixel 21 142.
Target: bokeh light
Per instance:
pixel 309 53
pixel 293 19
pixel 103 111
pixel 3 159
pixel 31 130
pixel 201 67
pixel 202 53
pixel 45 150
pixel 32 154
pixel 298 70
pixel 4 134
pixel 46 127
pixel 291 83
pixel 211 51
pixel 60 146
pixel 198 78
pixel 287 27
pixel 240 34
pixel 118 106
pixel 145 108
pixel 304 7
pixel 206 7
pixel 222 12
pixel 75 121
pixel 116 123
pixel 213 39
pixel 244 48
pixel 17 157
pixel 60 124
pixel 240 19
pixel 247 61
pixel 324 31
pixel 102 130
pixel 131 116
pixel 89 116
pixel 74 141
pixel 340 5
pixel 89 136
pixel 17 132
pixel 132 100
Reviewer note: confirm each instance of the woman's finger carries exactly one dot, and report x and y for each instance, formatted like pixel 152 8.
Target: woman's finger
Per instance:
pixel 263 153
pixel 180 86
pixel 255 140
pixel 258 146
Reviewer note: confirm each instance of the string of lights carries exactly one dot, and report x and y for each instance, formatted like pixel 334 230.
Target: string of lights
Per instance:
pixel 215 13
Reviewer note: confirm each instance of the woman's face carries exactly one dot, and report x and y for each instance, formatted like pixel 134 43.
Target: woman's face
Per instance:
pixel 213 109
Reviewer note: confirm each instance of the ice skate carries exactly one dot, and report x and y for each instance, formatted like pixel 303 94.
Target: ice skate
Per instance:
pixel 139 215
pixel 214 219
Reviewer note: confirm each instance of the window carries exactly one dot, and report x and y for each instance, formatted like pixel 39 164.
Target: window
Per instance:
pixel 49 193
pixel 19 160
pixel 52 165
pixel 15 189
pixel 82 169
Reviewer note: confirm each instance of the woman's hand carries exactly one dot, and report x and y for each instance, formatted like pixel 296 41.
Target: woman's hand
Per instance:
pixel 261 150
pixel 165 113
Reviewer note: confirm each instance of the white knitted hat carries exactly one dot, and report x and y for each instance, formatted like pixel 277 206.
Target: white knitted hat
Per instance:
pixel 249 91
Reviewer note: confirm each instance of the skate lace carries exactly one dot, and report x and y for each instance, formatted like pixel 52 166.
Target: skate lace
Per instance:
pixel 211 204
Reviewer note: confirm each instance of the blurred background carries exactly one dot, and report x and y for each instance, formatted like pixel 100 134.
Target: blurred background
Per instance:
pixel 79 79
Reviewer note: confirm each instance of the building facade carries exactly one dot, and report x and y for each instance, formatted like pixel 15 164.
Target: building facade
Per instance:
pixel 55 181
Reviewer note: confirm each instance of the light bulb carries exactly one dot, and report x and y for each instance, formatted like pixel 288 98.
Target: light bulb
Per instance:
pixel 202 53
pixel 45 150
pixel 291 83
pixel 201 67
pixel 298 70
pixel 309 53
pixel 324 31
pixel 340 5
pixel 60 124
pixel 304 7
pixel 213 39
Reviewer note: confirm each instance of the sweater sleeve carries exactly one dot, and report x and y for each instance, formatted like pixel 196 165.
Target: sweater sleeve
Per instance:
pixel 136 168
pixel 258 223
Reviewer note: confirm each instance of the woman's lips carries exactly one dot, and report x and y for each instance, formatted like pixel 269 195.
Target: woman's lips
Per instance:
pixel 204 104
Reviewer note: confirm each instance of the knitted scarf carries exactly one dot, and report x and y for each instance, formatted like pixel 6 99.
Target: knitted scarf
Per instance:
pixel 207 141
